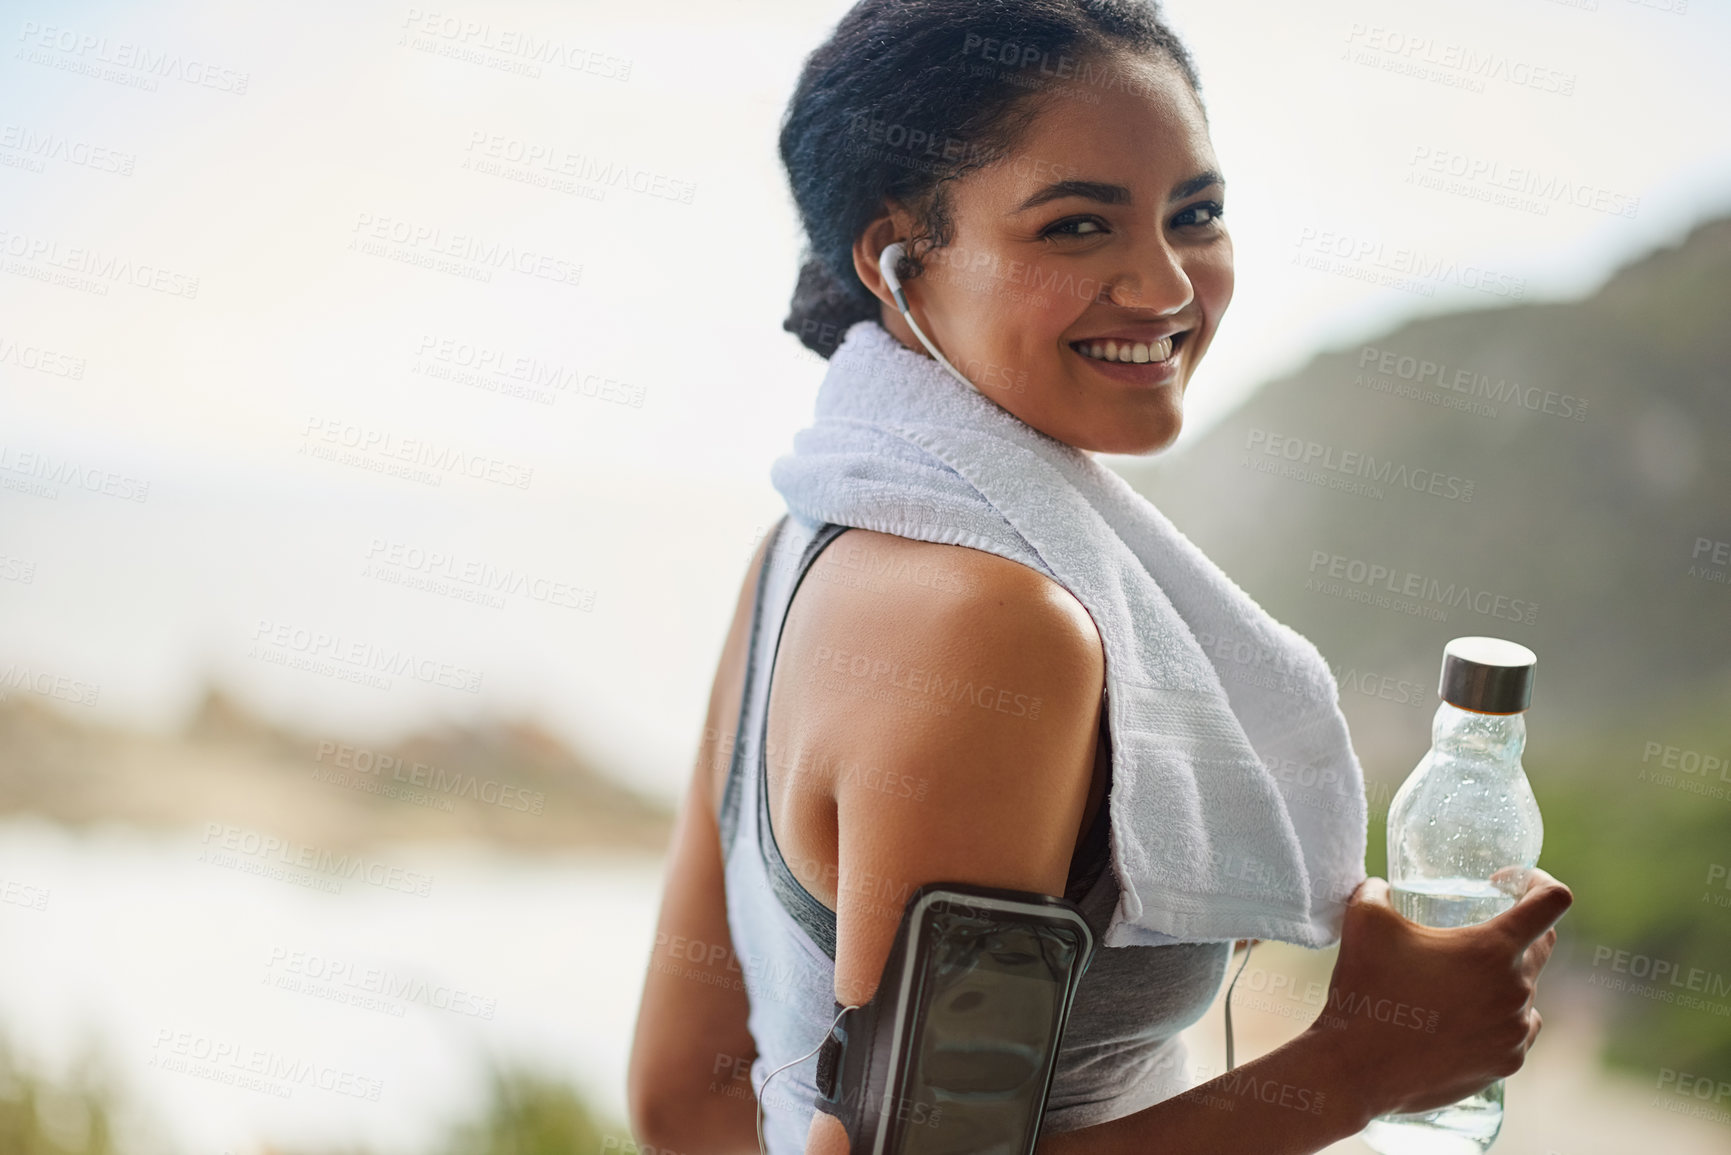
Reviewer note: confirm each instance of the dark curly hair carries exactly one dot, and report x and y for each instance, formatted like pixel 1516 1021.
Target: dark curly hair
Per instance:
pixel 907 95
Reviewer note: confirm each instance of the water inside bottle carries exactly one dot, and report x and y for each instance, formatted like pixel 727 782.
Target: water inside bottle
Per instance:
pixel 1449 901
pixel 1471 1125
pixel 1468 1127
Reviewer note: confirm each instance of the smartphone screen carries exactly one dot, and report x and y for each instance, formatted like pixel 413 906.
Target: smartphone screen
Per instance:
pixel 990 1000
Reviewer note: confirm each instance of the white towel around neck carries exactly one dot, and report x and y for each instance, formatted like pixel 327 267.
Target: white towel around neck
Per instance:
pixel 1237 803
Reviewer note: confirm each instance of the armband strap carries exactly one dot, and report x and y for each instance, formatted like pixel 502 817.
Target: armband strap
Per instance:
pixel 829 1058
pixel 971 950
pixel 829 1065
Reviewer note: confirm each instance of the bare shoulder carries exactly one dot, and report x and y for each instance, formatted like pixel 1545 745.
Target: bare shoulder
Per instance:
pixel 922 636
pixel 933 716
pixel 880 583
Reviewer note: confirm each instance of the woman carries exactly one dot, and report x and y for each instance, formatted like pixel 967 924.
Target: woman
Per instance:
pixel 1047 166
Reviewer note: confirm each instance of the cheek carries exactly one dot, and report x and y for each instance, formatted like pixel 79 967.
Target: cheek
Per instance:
pixel 1022 318
pixel 1213 280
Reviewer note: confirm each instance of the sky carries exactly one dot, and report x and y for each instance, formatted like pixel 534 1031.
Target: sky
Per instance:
pixel 240 294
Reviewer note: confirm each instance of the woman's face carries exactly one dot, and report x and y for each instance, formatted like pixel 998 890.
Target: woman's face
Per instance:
pixel 1087 271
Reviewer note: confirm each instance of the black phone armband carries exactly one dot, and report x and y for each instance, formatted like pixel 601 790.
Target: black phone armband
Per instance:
pixel 956 1050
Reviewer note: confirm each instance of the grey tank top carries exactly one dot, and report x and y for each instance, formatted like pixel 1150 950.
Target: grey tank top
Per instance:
pixel 1121 1050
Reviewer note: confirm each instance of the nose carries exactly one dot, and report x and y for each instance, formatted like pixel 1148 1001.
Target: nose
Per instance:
pixel 1156 280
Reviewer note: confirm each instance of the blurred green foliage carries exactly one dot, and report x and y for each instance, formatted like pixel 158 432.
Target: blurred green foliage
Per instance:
pixel 529 1114
pixel 526 1113
pixel 47 1117
pixel 1638 851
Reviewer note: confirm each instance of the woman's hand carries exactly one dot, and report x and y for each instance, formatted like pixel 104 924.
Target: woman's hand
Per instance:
pixel 1430 1015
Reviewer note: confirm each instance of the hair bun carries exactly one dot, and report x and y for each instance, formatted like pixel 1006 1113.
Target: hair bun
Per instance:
pixel 822 310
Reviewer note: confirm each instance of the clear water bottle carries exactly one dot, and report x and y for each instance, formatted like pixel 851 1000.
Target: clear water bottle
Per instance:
pixel 1464 813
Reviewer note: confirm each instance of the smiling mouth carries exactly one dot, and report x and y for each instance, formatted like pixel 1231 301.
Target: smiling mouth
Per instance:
pixel 1130 352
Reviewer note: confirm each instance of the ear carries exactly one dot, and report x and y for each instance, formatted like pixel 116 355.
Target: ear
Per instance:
pixel 892 226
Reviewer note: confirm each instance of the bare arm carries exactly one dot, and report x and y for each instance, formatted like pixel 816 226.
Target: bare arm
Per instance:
pixel 688 1081
pixel 1008 770
pixel 1416 1018
pixel 1006 795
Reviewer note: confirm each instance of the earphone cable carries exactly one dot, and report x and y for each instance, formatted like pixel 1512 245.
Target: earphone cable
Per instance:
pixel 1247 946
pixel 791 1062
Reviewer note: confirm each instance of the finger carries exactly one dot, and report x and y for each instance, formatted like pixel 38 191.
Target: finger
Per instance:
pixel 1512 880
pixel 1372 891
pixel 1535 1023
pixel 1538 954
pixel 1533 913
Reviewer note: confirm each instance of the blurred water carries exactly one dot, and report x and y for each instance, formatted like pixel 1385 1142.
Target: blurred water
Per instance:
pixel 189 971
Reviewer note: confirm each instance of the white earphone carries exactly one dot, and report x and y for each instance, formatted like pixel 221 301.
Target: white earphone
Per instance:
pixel 887 266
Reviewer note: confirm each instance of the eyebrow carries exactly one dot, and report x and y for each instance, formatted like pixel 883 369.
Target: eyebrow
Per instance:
pixel 1114 194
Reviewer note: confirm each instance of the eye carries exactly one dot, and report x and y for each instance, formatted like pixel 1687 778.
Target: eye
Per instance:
pixel 1214 210
pixel 1075 227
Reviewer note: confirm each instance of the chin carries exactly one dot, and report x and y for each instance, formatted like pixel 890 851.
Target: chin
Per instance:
pixel 1142 440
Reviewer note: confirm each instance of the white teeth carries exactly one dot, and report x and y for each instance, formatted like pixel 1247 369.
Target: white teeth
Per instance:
pixel 1138 353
